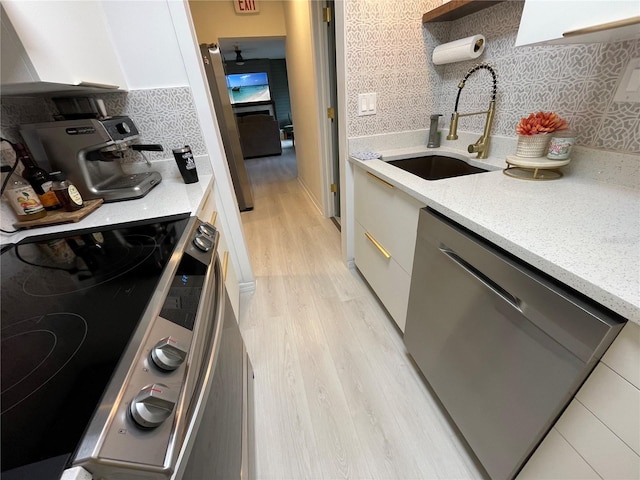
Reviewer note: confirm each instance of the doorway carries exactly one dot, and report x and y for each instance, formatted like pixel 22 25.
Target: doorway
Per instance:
pixel 310 53
pixel 257 83
pixel 332 81
pixel 324 39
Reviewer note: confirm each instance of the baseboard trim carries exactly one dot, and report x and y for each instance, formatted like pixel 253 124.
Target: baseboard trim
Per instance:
pixel 314 201
pixel 247 286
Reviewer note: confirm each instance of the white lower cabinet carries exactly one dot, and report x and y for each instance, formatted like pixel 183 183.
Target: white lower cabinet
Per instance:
pixel 599 432
pixel 385 276
pixel 594 441
pixel 209 213
pixel 616 402
pixel 554 459
pixel 229 273
pixel 385 238
pixel 207 209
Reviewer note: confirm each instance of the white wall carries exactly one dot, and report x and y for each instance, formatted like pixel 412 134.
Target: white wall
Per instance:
pixel 215 19
pixel 145 40
pixel 303 91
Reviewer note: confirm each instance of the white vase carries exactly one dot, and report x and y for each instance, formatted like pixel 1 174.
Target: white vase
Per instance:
pixel 531 146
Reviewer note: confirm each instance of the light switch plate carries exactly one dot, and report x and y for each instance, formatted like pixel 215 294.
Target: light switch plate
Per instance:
pixel 367 104
pixel 629 86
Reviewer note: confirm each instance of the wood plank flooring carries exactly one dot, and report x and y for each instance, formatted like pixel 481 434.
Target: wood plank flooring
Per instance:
pixel 336 395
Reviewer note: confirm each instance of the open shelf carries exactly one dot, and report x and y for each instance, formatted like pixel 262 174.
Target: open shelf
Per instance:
pixel 456 9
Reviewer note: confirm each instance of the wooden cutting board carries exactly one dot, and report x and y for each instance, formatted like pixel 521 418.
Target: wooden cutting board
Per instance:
pixel 56 217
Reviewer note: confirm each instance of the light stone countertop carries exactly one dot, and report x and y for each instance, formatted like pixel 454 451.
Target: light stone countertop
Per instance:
pixel 171 197
pixel 583 232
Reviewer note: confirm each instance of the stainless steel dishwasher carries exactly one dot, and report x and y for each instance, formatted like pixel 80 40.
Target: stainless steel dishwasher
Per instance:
pixel 503 346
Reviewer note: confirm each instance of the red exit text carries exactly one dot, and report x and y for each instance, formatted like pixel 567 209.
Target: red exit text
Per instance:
pixel 246 6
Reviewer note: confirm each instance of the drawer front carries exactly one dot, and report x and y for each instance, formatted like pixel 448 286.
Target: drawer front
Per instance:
pixel 373 205
pixel 389 214
pixel 387 279
pixel 209 213
pixel 207 208
pixel 230 277
pixel 556 459
pixel 615 402
pixel 623 356
pixel 607 454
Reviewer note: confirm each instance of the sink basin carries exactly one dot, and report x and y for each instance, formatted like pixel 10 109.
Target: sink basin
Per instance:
pixel 436 167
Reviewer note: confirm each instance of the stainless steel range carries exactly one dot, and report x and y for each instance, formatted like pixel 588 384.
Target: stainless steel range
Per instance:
pixel 111 342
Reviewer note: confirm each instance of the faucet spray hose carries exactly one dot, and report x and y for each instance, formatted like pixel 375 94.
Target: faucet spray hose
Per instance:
pixel 475 68
pixel 455 109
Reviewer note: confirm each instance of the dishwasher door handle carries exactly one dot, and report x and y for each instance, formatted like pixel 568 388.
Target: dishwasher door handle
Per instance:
pixel 482 278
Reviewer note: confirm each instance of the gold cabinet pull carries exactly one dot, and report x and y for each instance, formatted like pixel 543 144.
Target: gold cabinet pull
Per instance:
pixel 214 217
pixel 603 26
pixel 383 251
pixel 225 264
pixel 384 182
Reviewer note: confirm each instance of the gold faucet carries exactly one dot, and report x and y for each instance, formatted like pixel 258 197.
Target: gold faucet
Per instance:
pixel 481 147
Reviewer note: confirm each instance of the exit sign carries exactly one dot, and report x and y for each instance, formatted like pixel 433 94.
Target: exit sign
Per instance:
pixel 246 6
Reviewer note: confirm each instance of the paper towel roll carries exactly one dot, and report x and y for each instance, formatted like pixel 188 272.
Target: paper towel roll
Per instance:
pixel 463 49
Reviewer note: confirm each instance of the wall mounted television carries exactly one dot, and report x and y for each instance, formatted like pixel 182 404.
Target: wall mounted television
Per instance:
pixel 248 87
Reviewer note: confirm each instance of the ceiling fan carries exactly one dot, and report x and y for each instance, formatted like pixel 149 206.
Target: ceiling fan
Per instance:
pixel 239 59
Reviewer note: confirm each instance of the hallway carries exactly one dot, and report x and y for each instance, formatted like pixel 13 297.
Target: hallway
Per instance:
pixel 336 395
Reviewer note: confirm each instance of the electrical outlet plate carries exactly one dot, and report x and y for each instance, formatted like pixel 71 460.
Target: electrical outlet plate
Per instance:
pixel 629 85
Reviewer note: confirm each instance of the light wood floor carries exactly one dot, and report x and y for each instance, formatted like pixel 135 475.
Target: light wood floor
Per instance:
pixel 336 395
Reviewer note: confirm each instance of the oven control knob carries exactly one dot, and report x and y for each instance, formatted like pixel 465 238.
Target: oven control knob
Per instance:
pixel 207 229
pixel 123 128
pixel 152 405
pixel 168 354
pixel 202 242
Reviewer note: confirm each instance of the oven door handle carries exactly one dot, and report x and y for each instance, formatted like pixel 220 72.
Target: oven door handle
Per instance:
pixel 204 381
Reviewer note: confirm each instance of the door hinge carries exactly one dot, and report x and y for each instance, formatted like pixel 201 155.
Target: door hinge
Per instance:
pixel 331 113
pixel 326 14
pixel 334 188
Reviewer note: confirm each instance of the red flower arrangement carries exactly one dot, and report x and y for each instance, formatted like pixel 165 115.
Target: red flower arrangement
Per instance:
pixel 541 122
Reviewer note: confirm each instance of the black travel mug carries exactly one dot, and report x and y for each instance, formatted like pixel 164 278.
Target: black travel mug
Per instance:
pixel 186 164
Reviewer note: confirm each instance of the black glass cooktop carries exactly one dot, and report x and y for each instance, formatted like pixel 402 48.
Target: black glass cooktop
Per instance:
pixel 68 308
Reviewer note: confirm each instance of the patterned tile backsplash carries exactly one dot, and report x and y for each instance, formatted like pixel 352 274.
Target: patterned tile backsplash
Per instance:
pixel 166 116
pixel 389 52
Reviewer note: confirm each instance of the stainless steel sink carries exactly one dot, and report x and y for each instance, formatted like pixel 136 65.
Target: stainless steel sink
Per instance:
pixel 436 167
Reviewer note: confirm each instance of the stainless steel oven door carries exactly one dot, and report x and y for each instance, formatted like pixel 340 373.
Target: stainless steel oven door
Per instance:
pixel 219 441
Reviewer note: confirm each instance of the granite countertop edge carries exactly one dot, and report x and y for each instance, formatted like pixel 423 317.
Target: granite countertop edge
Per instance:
pixel 170 197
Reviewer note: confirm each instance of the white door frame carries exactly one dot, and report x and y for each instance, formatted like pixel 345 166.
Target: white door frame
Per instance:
pixel 320 51
pixel 319 40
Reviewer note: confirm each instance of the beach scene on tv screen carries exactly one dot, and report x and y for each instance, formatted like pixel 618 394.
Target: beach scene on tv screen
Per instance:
pixel 248 87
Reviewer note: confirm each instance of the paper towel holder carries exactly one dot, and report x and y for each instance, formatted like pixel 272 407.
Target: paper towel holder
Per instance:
pixel 460 50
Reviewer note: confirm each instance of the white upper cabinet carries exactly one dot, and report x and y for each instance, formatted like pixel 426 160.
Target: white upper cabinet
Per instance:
pixel 578 21
pixel 55 46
